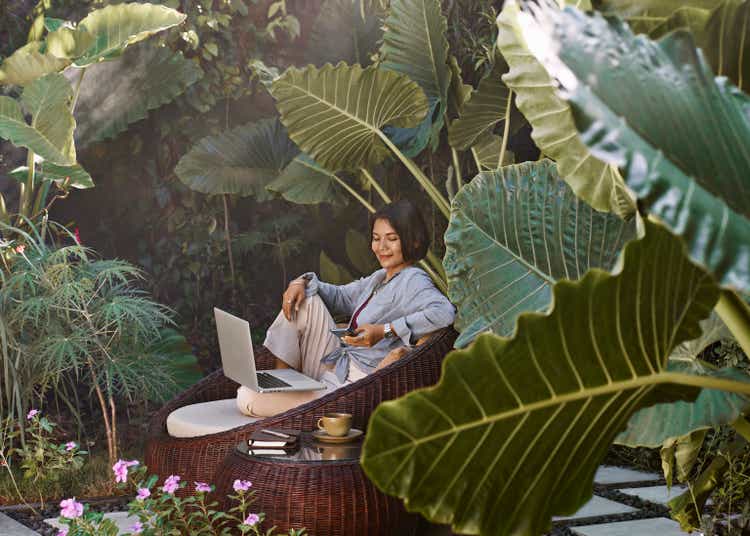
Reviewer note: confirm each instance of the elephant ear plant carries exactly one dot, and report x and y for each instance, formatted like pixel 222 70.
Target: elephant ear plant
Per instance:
pixel 581 344
pixel 49 100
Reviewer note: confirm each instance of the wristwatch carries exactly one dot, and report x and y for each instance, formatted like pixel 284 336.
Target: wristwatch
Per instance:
pixel 388 331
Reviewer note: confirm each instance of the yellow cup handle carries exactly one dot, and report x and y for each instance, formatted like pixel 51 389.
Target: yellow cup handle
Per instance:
pixel 320 425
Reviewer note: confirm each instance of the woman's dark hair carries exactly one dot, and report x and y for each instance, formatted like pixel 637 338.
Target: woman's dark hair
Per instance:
pixel 409 224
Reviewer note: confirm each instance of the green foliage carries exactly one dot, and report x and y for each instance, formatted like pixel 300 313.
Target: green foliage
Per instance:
pixel 41 459
pixel 241 161
pixel 304 182
pixel 513 234
pixel 50 134
pixel 70 319
pixel 502 455
pixel 695 185
pixel 159 74
pixel 661 425
pixel 347 132
pixel 161 512
pixel 551 119
pixel 414 44
pixel 356 35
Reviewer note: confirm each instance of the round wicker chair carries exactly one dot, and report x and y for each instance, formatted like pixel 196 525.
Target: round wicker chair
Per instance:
pixel 197 458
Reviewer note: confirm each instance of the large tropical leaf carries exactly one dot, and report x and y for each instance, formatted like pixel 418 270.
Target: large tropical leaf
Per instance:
pixel 513 233
pixel 553 129
pixel 241 161
pixel 306 183
pixel 662 423
pixel 50 134
pixel 414 44
pixel 719 27
pixel 335 114
pixel 516 428
pixel 27 64
pixel 646 16
pixel 115 95
pixel 724 41
pixel 355 37
pixel 72 176
pixel 485 108
pixel 487 152
pixel 114 27
pixel 679 135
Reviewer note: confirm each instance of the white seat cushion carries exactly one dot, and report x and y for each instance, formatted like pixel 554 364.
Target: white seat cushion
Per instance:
pixel 206 418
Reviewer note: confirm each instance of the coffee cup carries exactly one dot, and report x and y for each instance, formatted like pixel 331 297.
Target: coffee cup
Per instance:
pixel 335 424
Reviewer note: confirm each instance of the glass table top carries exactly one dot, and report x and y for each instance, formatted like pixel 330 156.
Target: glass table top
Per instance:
pixel 309 450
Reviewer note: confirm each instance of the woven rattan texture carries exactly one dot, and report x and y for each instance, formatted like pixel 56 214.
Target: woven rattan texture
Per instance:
pixel 327 498
pixel 197 458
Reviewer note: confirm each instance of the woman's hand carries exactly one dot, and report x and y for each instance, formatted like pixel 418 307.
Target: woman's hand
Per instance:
pixel 367 335
pixel 293 297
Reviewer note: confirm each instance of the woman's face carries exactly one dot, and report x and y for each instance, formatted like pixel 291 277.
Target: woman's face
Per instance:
pixel 386 245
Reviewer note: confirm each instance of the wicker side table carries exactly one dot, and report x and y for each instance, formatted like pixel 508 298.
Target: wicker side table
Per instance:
pixel 321 487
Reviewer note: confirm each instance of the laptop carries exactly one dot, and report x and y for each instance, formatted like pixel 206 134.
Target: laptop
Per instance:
pixel 238 360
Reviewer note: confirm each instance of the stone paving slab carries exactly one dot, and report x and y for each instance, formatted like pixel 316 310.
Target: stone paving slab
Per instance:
pixel 11 527
pixel 121 519
pixel 655 494
pixel 607 474
pixel 598 506
pixel 643 527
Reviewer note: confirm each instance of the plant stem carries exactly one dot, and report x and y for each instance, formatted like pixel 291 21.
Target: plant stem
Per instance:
pixel 477 162
pixel 506 130
pixel 228 238
pixel 375 185
pixel 77 90
pixel 354 193
pixel 736 315
pixel 440 202
pixel 4 461
pixel 686 508
pixel 457 169
pixel 27 189
pixel 105 413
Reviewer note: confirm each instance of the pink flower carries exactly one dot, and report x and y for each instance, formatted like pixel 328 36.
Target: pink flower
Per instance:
pixel 77 234
pixel 70 508
pixel 202 487
pixel 62 532
pixel 20 248
pixel 143 493
pixel 70 445
pixel 252 519
pixel 121 469
pixel 241 485
pixel 171 484
pixel 137 528
pixel 31 414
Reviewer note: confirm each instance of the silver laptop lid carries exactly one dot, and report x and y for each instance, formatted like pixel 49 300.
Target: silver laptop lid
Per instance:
pixel 236 348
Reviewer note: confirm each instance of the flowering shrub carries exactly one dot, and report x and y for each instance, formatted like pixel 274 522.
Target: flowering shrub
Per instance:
pixel 42 460
pixel 40 457
pixel 161 512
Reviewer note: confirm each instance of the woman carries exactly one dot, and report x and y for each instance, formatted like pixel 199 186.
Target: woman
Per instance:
pixel 391 308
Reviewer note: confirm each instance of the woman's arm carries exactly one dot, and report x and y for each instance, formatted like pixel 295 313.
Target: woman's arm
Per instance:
pixel 340 299
pixel 431 310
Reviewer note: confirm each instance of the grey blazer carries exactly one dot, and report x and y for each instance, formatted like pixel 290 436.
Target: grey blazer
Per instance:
pixel 409 301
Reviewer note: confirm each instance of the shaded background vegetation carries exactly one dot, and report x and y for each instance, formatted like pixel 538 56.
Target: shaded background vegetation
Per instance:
pixel 141 212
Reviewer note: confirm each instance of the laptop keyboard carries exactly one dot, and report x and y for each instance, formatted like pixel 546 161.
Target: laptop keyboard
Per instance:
pixel 268 381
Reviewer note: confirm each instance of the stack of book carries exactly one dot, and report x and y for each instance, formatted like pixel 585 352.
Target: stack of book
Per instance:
pixel 273 442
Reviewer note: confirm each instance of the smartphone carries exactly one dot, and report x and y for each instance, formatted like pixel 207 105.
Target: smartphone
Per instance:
pixel 343 332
